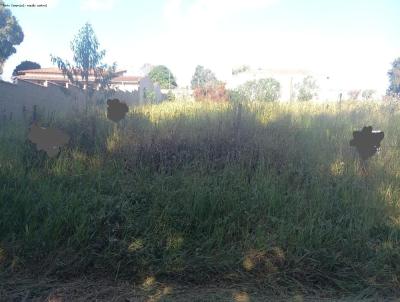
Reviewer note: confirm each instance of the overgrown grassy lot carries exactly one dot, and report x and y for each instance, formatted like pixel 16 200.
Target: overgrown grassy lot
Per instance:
pixel 198 192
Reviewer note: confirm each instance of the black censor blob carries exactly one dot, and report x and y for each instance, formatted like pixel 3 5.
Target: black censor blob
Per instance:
pixel 116 110
pixel 367 142
pixel 47 139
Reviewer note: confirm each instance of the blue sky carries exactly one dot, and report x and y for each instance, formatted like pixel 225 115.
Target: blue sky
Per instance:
pixel 353 41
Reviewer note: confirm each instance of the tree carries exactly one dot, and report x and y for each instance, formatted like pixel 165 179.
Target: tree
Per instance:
pixel 241 69
pixel 394 78
pixel 87 59
pixel 368 94
pixel 307 89
pixel 265 90
pixel 25 65
pixel 353 94
pixel 203 77
pixel 10 34
pixel 163 76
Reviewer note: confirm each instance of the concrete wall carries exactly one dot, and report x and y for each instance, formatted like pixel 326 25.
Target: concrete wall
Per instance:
pixel 146 85
pixel 180 94
pixel 24 95
pixel 125 87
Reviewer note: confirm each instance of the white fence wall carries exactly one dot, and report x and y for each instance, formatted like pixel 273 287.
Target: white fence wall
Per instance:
pixel 24 95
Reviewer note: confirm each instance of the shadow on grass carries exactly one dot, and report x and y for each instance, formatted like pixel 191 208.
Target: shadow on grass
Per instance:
pixel 200 199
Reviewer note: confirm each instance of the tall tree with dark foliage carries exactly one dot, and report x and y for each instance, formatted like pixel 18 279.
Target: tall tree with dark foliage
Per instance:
pixel 394 78
pixel 87 60
pixel 25 65
pixel 10 34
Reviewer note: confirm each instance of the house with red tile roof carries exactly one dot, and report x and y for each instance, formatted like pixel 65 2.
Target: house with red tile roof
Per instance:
pixel 44 75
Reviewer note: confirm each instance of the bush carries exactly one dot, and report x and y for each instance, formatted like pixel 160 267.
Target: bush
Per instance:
pixel 392 97
pixel 170 96
pixel 307 89
pixel 368 94
pixel 354 94
pixel 215 93
pixel 236 95
pixel 150 96
pixel 264 90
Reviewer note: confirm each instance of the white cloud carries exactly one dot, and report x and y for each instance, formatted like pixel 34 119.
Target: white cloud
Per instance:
pixel 96 5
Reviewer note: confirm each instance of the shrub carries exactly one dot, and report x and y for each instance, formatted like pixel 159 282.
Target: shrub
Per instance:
pixel 307 89
pixel 267 90
pixel 354 94
pixel 170 96
pixel 368 94
pixel 215 93
pixel 236 95
pixel 149 96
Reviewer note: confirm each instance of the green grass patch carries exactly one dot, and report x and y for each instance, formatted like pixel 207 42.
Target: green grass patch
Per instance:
pixel 188 191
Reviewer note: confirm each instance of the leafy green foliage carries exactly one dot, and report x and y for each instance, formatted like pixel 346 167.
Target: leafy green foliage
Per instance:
pixel 170 96
pixel 264 90
pixel 149 96
pixel 25 65
pixel 10 34
pixel 203 78
pixel 163 76
pixel 394 78
pixel 307 89
pixel 236 95
pixel 87 60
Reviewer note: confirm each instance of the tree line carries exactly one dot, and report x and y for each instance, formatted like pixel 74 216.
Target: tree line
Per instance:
pixel 88 60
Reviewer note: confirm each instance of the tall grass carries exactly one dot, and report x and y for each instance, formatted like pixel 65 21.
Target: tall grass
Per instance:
pixel 187 191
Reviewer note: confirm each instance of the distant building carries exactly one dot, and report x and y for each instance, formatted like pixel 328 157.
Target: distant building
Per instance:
pixel 43 75
pixel 145 86
pixel 181 93
pixel 126 83
pixel 288 79
pixel 121 83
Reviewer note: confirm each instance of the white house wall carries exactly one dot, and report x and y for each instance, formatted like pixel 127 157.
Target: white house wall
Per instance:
pixel 328 89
